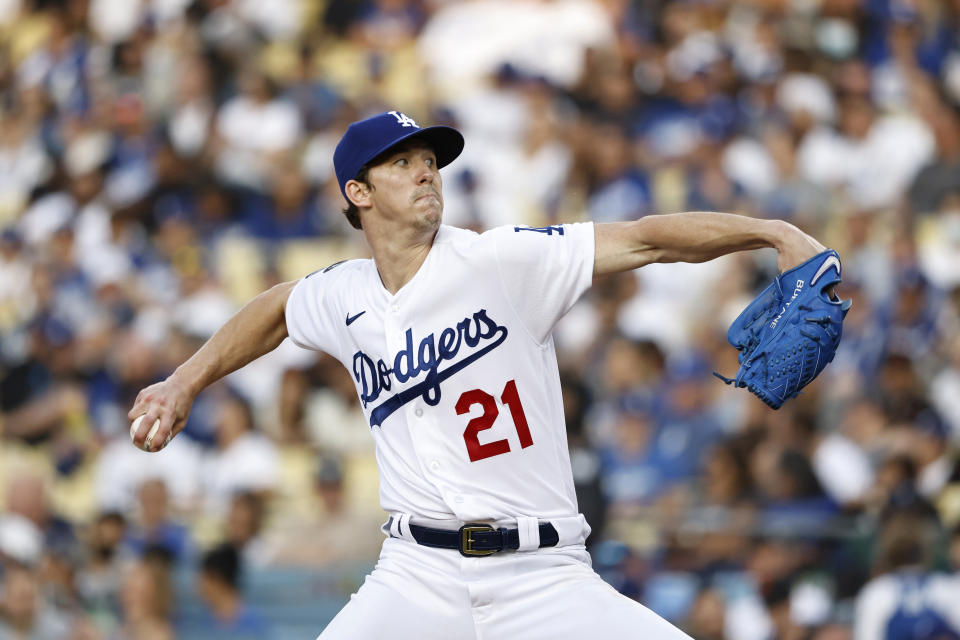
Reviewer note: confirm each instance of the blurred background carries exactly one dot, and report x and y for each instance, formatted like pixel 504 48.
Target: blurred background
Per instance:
pixel 162 161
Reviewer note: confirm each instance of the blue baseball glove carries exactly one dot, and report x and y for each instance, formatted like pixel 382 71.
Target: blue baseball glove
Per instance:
pixel 789 333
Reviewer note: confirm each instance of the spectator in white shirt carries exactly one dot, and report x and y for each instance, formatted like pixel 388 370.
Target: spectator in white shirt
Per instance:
pixel 254 127
pixel 243 459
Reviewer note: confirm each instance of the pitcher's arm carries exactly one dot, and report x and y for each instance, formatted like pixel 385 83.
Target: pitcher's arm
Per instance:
pixel 258 328
pixel 696 237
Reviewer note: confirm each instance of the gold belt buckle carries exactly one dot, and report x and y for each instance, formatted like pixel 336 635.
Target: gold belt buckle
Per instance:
pixel 466 539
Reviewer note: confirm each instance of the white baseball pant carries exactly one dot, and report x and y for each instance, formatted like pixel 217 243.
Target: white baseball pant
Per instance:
pixel 421 593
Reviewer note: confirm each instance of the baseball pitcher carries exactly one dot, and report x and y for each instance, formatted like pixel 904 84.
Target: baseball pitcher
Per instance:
pixel 447 335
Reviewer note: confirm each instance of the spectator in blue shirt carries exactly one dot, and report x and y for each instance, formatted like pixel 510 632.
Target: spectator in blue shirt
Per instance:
pixel 226 614
pixel 155 527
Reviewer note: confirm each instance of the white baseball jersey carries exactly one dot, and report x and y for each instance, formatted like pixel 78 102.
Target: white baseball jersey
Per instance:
pixel 457 371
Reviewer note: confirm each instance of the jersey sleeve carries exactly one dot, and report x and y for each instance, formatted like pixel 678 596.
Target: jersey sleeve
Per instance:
pixel 308 323
pixel 544 271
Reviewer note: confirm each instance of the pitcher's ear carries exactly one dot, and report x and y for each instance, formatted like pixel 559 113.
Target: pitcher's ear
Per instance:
pixel 358 193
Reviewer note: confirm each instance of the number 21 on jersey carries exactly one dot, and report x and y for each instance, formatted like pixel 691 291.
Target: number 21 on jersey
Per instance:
pixel 511 399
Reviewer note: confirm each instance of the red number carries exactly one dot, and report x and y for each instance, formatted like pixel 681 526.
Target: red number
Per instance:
pixel 511 398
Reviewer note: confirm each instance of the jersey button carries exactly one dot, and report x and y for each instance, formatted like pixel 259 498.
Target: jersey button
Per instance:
pixel 418 412
pixel 395 308
pixel 435 465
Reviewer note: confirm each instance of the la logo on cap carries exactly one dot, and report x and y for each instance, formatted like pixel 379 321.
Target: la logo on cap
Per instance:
pixel 404 119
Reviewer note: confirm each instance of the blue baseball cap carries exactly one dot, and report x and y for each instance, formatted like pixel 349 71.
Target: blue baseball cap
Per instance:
pixel 366 139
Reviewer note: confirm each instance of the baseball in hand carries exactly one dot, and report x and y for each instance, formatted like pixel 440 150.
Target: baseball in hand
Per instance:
pixel 150 435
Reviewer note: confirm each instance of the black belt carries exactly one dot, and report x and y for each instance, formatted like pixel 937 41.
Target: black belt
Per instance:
pixel 476 539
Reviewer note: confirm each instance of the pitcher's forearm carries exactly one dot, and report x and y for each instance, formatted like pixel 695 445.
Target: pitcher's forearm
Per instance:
pixel 695 236
pixel 258 328
pixel 699 236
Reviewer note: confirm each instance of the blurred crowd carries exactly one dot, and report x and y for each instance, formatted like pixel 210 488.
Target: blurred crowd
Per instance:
pixel 162 161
